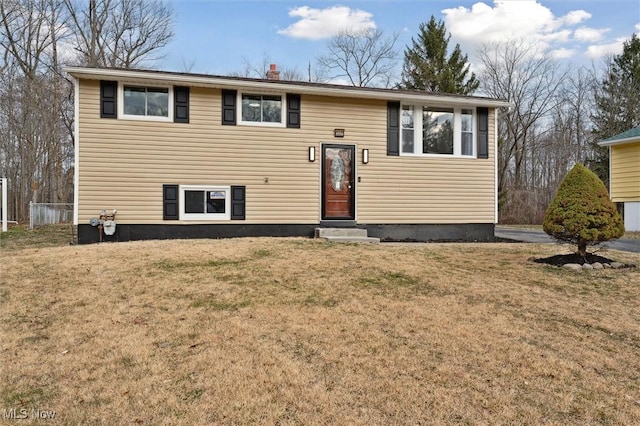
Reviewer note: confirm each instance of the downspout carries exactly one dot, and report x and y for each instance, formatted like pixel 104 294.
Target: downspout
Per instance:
pixel 495 164
pixel 76 148
pixel 610 171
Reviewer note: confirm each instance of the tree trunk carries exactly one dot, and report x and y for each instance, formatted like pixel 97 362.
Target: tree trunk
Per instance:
pixel 582 248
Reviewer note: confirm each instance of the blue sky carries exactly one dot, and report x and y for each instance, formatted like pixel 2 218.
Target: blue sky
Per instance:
pixel 216 36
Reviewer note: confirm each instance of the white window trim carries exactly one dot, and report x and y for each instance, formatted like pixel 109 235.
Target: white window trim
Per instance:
pixel 205 216
pixel 283 112
pixel 457 129
pixel 124 116
pixel 457 132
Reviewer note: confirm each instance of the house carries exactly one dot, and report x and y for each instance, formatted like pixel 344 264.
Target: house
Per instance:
pixel 624 174
pixel 199 156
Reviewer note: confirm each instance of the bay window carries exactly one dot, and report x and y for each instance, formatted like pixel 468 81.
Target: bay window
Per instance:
pixel 445 131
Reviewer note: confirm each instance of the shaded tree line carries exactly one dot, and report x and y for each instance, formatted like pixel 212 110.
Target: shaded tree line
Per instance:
pixel 37 39
pixel 557 118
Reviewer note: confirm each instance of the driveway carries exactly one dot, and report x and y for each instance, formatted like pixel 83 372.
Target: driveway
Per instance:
pixel 536 236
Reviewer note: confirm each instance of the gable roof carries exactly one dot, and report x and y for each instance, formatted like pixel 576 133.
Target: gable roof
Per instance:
pixel 241 83
pixel 630 136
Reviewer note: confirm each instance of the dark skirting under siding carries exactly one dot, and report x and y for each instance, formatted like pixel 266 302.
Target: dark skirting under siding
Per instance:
pixel 430 232
pixel 401 232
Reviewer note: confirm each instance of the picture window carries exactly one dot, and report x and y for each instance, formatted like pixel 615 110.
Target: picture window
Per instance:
pixel 428 130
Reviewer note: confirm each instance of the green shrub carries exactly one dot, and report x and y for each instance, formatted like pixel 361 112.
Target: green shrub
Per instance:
pixel 581 212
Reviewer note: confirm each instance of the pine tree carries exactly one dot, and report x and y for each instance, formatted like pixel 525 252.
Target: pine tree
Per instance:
pixel 617 102
pixel 427 66
pixel 581 212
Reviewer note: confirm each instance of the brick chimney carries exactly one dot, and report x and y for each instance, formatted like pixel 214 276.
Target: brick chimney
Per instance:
pixel 272 74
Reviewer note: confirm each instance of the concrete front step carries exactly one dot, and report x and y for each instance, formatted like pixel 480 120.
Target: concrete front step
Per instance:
pixel 340 232
pixel 345 235
pixel 362 240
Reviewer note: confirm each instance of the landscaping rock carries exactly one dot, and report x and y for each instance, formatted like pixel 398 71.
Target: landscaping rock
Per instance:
pixel 572 267
pixel 575 262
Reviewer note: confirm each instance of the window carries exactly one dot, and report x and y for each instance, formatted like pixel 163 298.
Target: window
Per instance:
pixel 445 131
pixel 150 103
pixel 437 131
pixel 263 109
pixel 200 202
pixel 407 129
pixel 466 132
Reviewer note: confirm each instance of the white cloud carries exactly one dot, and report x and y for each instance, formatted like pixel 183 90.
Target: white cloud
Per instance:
pixel 575 17
pixel 599 50
pixel 532 23
pixel 589 34
pixel 563 53
pixel 638 26
pixel 505 20
pixel 556 36
pixel 316 24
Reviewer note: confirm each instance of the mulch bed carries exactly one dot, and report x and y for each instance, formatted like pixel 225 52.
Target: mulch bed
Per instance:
pixel 563 259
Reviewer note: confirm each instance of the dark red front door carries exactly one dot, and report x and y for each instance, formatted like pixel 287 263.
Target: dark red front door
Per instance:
pixel 338 182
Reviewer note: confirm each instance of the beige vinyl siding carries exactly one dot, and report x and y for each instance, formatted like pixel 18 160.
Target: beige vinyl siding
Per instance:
pixel 625 172
pixel 436 189
pixel 124 163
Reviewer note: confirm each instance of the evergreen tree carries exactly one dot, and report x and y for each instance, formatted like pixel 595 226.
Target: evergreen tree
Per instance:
pixel 427 66
pixel 617 102
pixel 581 212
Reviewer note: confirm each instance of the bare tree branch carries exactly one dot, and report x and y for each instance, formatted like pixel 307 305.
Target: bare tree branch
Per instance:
pixel 120 33
pixel 258 69
pixel 365 58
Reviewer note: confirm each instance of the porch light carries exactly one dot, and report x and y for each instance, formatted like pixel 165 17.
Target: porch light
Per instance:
pixel 312 154
pixel 365 156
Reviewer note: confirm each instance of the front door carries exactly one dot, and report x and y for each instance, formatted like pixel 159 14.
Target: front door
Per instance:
pixel 338 182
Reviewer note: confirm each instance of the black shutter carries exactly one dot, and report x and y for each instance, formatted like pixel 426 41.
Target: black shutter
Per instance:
pixel 238 195
pixel 229 107
pixel 483 133
pixel 393 128
pixel 170 202
pixel 181 104
pixel 293 111
pixel 108 99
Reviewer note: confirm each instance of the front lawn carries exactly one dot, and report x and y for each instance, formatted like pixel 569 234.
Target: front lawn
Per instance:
pixel 297 331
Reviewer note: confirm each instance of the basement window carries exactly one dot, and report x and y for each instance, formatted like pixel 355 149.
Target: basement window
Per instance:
pixel 203 202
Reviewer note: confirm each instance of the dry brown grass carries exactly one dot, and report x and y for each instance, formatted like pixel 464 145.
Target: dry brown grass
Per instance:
pixel 632 235
pixel 295 331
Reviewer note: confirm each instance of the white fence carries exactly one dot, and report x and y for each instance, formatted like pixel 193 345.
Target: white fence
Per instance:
pixel 49 214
